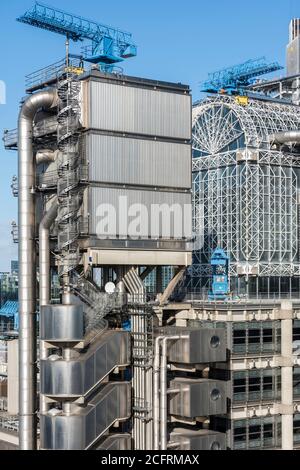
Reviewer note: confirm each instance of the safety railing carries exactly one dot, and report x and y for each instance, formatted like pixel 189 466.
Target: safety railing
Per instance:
pixel 41 129
pixel 49 179
pixel 10 138
pixel 52 72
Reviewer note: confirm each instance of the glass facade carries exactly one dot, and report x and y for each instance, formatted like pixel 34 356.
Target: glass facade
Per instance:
pixel 257 433
pixel 256 338
pixel 256 385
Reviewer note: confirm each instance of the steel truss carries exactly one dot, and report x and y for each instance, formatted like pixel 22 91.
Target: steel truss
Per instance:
pixel 245 193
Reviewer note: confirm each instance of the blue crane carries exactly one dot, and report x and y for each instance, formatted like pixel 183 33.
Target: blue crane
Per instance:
pixel 107 45
pixel 234 80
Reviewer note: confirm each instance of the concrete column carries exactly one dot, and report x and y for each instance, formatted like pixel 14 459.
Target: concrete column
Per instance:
pixel 13 377
pixel 287 375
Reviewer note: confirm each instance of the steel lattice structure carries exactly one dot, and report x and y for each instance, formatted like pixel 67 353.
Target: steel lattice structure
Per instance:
pixel 245 192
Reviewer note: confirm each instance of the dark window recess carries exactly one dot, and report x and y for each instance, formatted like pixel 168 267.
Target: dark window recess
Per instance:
pixel 267 383
pixel 267 336
pixel 296 330
pixel 296 381
pixel 254 336
pixel 239 337
pixel 254 384
pixel 239 385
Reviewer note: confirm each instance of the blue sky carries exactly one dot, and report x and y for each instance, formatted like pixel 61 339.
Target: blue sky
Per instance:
pixel 178 41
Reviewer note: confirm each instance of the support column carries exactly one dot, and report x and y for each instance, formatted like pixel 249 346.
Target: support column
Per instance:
pixel 287 375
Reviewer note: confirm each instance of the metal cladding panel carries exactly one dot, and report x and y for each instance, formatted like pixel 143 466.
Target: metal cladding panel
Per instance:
pixel 62 323
pixel 130 161
pixel 80 430
pixel 198 397
pixel 203 346
pixel 61 432
pixel 121 108
pixel 198 440
pixel 139 201
pixel 77 377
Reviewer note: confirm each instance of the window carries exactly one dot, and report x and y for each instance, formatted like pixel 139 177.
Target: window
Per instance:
pixel 296 330
pixel 240 435
pixel 267 335
pixel 255 434
pixel 296 382
pixel 256 337
pixel 296 429
pixel 259 433
pixel 256 385
pixel 268 433
pixel 239 386
pixel 239 340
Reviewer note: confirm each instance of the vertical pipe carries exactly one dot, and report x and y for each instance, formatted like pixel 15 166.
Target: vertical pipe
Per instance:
pixel 163 390
pixel 27 267
pixel 44 272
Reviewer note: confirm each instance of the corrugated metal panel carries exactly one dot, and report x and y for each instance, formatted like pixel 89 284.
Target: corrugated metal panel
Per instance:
pixel 139 111
pixel 128 204
pixel 138 162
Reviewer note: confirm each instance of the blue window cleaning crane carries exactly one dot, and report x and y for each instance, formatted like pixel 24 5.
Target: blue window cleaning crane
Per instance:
pixel 107 45
pixel 220 276
pixel 234 80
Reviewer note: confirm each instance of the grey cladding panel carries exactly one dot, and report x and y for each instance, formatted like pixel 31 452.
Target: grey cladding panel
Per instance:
pixel 203 345
pixel 198 397
pixel 123 160
pixel 137 200
pixel 139 111
pixel 62 323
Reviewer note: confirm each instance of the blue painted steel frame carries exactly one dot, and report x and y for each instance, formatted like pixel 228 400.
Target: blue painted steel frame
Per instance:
pixel 220 276
pixel 237 78
pixel 108 45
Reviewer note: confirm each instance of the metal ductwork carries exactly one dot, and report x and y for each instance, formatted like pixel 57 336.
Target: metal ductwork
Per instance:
pixel 197 397
pixel 45 156
pixel 77 377
pixel 62 323
pixel 201 346
pixel 27 266
pixel 82 428
pixel 186 439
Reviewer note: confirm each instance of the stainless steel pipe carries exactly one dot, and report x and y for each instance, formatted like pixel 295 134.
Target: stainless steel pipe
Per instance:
pixel 289 137
pixel 161 419
pixel 44 274
pixel 27 267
